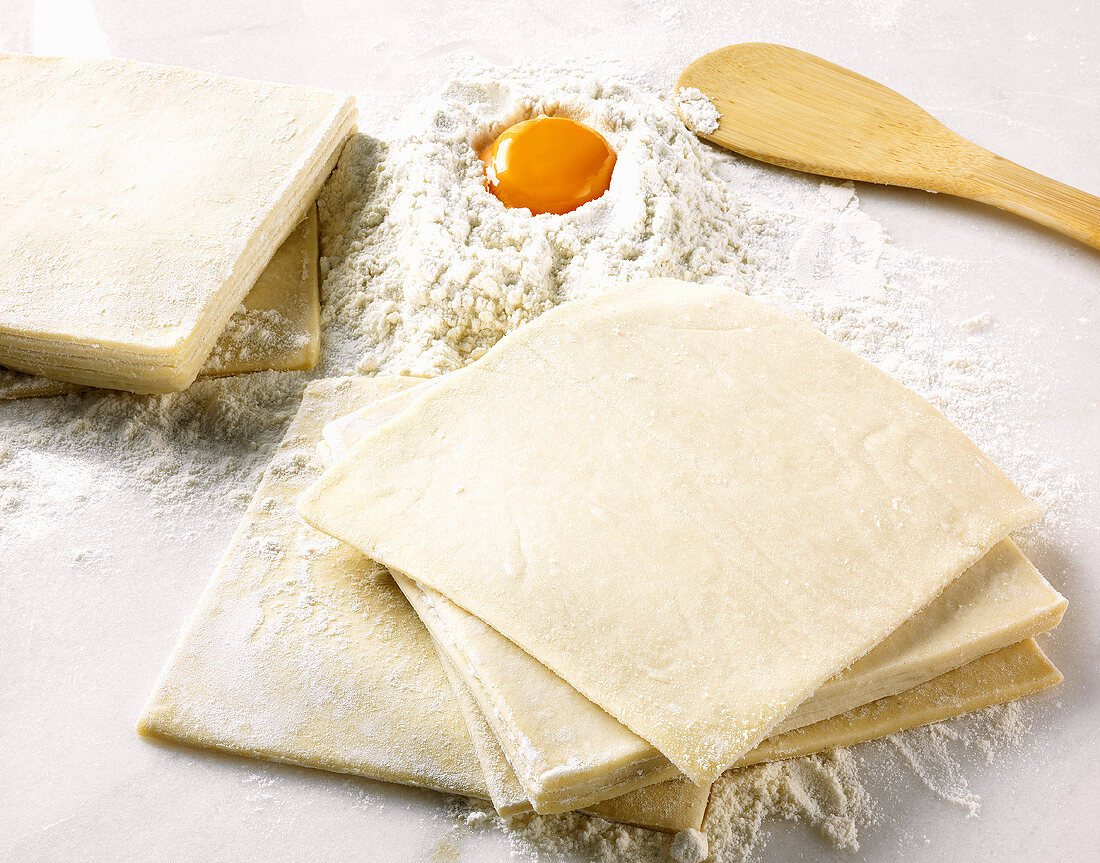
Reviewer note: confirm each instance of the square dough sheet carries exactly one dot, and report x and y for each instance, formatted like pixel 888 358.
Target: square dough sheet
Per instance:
pixel 567 753
pixel 277 327
pixel 141 204
pixel 692 508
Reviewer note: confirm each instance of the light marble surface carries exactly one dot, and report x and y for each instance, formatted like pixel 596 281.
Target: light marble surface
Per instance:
pixel 82 636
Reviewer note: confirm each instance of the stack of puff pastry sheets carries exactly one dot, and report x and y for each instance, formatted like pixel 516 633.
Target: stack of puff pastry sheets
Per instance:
pixel 130 238
pixel 276 328
pixel 650 537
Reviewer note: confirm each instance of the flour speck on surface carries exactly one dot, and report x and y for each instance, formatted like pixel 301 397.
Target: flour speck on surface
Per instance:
pixel 690 846
pixel 697 110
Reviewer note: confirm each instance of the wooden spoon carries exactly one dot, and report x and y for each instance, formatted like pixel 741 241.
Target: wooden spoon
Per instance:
pixel 793 109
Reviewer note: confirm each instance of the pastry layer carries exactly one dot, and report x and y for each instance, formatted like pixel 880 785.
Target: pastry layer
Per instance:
pixel 277 327
pixel 731 506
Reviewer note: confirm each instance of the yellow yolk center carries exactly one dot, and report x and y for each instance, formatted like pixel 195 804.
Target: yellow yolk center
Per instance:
pixel 548 165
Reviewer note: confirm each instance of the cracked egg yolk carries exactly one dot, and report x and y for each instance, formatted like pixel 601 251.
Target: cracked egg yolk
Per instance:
pixel 548 165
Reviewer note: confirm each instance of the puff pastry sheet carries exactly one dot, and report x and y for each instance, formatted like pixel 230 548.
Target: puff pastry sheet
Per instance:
pixel 731 506
pixel 567 753
pixel 140 205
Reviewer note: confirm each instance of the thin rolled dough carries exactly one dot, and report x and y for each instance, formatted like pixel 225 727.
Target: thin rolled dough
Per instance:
pixel 732 506
pixel 140 205
pixel 277 327
pixel 567 753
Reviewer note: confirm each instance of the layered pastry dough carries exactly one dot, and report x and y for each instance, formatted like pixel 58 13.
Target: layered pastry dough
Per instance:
pixel 142 203
pixel 303 651
pixel 1000 600
pixel 505 792
pixel 277 327
pixel 731 506
pixel 1009 673
pixel 1004 675
pixel 567 753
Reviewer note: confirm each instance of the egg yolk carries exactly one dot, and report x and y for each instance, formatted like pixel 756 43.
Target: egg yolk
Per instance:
pixel 548 165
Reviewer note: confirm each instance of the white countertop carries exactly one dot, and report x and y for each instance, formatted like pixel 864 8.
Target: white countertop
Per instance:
pixel 83 635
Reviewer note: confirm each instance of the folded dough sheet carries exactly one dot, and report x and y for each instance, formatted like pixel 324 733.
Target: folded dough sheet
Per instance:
pixel 277 327
pixel 569 754
pixel 142 204
pixel 692 508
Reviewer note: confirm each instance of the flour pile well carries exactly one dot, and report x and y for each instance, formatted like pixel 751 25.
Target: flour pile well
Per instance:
pixel 431 270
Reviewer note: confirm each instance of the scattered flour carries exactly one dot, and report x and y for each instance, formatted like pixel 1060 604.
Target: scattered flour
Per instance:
pixel 823 790
pixel 934 751
pixel 697 111
pixel 569 837
pixel 210 441
pixel 826 792
pixel 424 271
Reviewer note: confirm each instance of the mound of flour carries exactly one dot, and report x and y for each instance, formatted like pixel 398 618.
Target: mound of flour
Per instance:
pixel 432 270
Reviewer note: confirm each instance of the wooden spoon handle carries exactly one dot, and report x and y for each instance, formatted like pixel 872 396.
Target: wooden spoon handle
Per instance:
pixel 1014 188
